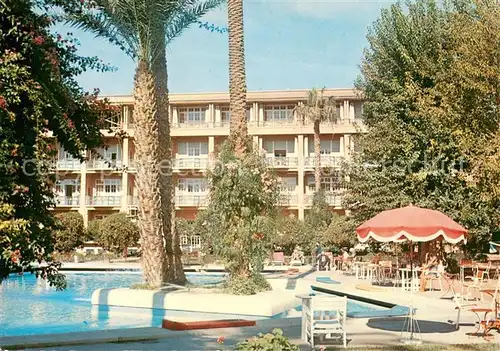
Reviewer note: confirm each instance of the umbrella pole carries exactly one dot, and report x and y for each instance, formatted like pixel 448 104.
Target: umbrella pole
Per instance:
pixel 412 323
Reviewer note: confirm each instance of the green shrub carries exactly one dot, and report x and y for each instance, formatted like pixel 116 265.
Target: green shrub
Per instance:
pixel 117 233
pixel 93 229
pixel 238 224
pixel 249 285
pixel 70 233
pixel 268 342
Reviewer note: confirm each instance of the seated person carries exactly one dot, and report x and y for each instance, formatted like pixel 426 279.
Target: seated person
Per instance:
pixel 430 270
pixel 298 255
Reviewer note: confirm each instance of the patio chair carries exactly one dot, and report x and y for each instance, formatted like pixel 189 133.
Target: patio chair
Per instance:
pixel 438 278
pixel 476 284
pixel 485 309
pixel 385 271
pixel 278 259
pixel 461 305
pixel 326 316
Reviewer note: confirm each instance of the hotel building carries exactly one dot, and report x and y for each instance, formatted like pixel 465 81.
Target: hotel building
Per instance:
pixel 200 124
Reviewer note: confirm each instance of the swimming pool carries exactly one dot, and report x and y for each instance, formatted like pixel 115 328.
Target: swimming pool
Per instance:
pixel 29 306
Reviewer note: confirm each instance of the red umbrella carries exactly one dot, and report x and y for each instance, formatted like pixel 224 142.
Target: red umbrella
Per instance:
pixel 411 223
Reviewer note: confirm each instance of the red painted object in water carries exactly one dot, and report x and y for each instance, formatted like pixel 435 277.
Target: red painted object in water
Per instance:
pixel 225 323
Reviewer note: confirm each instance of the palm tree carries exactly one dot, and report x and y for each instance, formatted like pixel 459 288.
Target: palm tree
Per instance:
pixel 317 109
pixel 237 78
pixel 142 29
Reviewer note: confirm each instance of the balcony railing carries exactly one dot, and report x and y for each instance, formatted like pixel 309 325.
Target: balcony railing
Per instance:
pixel 106 200
pixel 200 199
pixel 288 199
pixel 104 164
pixel 190 163
pixel 282 161
pixel 326 161
pixel 68 164
pixel 333 199
pixel 201 124
pixel 68 201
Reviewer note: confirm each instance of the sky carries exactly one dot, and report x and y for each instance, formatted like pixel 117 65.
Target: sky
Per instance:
pixel 289 44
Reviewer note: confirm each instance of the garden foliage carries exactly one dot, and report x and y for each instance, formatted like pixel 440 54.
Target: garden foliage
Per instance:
pixel 38 94
pixel 237 226
pixel 430 77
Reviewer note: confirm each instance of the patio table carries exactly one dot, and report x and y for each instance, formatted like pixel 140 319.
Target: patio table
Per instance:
pixel 360 269
pixel 404 273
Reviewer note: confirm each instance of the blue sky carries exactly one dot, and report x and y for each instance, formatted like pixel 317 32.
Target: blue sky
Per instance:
pixel 289 44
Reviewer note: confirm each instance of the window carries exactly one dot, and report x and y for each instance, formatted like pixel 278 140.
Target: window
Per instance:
pixel 192 185
pixel 279 148
pixel 192 115
pixel 225 115
pixel 108 186
pixel 195 241
pixel 192 148
pixel 278 113
pixel 112 153
pixel 358 109
pixel 68 187
pixel 327 146
pixel 328 184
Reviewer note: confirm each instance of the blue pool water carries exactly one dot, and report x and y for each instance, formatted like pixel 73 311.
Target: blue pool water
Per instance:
pixel 29 306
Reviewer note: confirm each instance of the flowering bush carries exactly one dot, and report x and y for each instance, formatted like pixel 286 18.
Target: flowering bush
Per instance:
pixel 38 94
pixel 237 226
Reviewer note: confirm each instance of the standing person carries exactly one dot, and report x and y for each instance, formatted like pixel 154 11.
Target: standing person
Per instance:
pixel 318 250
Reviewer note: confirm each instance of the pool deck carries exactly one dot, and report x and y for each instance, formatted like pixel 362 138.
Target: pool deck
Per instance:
pixel 433 315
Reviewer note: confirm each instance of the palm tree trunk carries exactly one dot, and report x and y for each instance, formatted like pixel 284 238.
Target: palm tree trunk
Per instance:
pixel 174 269
pixel 317 155
pixel 148 179
pixel 237 78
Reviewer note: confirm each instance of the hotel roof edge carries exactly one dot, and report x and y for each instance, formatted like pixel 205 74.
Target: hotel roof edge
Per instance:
pixel 252 96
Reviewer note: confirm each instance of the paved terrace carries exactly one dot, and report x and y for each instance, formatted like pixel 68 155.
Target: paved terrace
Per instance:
pixel 433 315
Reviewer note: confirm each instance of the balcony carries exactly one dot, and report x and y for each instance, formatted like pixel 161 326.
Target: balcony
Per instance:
pixel 333 199
pixel 68 201
pixel 200 125
pixel 104 164
pixel 133 201
pixel 288 199
pixel 198 200
pixel 68 164
pixel 282 162
pixel 192 163
pixel 106 200
pixel 326 161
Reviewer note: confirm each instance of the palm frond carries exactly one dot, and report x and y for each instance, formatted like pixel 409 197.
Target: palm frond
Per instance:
pixel 317 107
pixel 188 12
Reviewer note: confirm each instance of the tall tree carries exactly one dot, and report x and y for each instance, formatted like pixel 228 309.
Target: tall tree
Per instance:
pixel 432 90
pixel 38 94
pixel 143 28
pixel 317 109
pixel 237 78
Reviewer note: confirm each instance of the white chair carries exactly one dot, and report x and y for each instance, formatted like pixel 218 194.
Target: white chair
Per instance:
pixel 325 315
